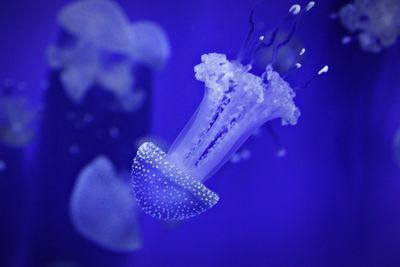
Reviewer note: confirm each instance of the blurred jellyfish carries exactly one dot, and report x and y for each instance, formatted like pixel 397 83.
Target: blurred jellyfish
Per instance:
pixel 74 149
pixel 3 166
pixel 375 23
pixel 18 117
pixel 236 103
pixel 396 146
pixel 99 46
pixel 242 155
pixel 102 208
pixel 114 132
pixel 245 153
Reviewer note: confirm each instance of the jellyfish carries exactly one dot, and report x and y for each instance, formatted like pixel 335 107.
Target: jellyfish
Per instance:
pixel 102 208
pixel 236 102
pixel 18 117
pixel 99 46
pixel 375 23
pixel 3 165
pixel 396 146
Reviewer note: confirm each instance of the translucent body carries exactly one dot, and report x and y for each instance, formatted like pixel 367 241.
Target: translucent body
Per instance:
pixel 236 102
pixel 376 23
pixel 101 47
pixel 17 120
pixel 164 191
pixel 102 208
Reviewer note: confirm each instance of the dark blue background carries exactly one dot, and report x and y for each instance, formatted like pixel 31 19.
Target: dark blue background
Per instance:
pixel 334 200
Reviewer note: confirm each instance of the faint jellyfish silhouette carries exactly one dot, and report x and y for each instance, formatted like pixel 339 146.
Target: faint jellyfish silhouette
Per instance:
pixel 396 146
pixel 99 46
pixel 114 132
pixel 245 153
pixel 242 155
pixel 102 208
pixel 18 117
pixel 3 165
pixel 236 102
pixel 74 149
pixel 375 23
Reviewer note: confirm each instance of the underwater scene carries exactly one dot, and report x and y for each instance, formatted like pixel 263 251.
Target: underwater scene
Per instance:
pixel 200 133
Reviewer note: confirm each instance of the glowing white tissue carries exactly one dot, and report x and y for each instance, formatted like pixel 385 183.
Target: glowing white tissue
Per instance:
pixel 102 208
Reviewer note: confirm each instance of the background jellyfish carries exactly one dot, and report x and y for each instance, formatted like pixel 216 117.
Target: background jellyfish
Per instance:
pixel 244 153
pixel 333 200
pixel 113 225
pixel 375 23
pixel 101 68
pixel 3 166
pixel 236 102
pixel 396 146
pixel 18 117
pixel 241 155
pixel 99 46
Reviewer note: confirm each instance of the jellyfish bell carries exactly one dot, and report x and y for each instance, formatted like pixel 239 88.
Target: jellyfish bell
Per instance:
pixel 94 49
pixel 165 191
pixel 100 46
pixel 374 23
pixel 100 22
pixel 236 102
pixel 102 208
pixel 151 46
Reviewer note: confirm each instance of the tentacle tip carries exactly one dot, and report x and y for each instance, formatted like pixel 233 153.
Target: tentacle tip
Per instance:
pixel 309 6
pixel 295 9
pixel 325 69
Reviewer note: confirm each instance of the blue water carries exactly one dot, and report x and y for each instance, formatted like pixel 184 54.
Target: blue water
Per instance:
pixel 333 199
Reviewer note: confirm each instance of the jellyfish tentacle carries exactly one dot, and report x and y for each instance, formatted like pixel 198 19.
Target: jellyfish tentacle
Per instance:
pixel 249 34
pixel 299 14
pixel 236 102
pixel 323 70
